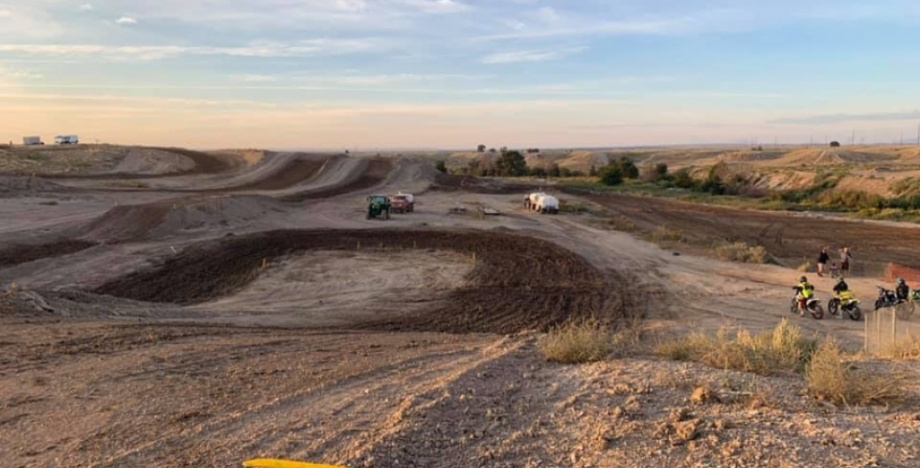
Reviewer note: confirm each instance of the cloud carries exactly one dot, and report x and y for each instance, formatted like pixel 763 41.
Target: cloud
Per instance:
pixel 523 56
pixel 263 49
pixel 86 7
pixel 126 20
pixel 842 118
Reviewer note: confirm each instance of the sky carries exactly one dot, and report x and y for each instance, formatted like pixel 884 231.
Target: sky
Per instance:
pixel 372 75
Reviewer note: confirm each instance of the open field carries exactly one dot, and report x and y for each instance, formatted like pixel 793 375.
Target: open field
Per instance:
pixel 239 305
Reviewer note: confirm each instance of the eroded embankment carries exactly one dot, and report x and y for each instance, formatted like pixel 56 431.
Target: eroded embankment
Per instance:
pixel 517 283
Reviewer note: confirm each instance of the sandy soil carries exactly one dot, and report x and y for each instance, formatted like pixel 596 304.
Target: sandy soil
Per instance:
pixel 266 317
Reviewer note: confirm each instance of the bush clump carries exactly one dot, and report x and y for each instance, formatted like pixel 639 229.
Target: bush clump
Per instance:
pixel 741 252
pixel 577 342
pixel 831 376
pixel 782 350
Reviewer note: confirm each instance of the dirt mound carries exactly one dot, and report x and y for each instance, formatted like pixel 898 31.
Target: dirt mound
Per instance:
pixel 285 175
pixel 450 182
pixel 127 222
pixel 159 219
pixel 518 282
pixel 140 161
pixel 18 254
pixel 369 174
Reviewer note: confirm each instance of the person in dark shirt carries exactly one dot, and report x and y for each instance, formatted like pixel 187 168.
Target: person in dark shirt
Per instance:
pixel 823 258
pixel 902 291
pixel 841 286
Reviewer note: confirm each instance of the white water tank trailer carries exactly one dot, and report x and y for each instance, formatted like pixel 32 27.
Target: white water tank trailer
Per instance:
pixel 67 139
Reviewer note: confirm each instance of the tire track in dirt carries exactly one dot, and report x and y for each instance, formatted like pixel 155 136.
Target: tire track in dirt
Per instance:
pixel 372 174
pixel 518 282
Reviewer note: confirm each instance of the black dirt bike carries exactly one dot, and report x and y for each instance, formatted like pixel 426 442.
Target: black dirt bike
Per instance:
pixel 886 298
pixel 813 306
pixel 845 302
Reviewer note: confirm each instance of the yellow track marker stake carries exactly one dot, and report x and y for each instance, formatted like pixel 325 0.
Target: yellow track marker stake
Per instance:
pixel 274 463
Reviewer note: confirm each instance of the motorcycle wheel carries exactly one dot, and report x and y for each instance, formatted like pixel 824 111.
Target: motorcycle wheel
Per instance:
pixel 817 312
pixel 855 313
pixel 904 310
pixel 833 307
pixel 879 304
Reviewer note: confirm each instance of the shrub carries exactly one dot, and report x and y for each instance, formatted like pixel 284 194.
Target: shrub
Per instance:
pixel 611 175
pixel 577 342
pixel 782 350
pixel 682 179
pixel 441 166
pixel 664 233
pixel 833 377
pixel 741 252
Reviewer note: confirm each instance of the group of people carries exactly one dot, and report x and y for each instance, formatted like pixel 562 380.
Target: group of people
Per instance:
pixel 836 271
pixel 805 291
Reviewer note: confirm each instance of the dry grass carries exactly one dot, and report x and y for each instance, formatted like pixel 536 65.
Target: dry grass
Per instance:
pixel 664 233
pixel 578 342
pixel 904 350
pixel 782 350
pixel 741 252
pixel 832 375
pixel 805 267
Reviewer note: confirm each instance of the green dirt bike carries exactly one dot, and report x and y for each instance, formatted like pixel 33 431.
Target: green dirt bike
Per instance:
pixel 845 302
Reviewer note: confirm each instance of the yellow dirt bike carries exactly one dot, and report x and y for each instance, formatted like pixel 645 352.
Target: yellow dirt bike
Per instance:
pixel 845 303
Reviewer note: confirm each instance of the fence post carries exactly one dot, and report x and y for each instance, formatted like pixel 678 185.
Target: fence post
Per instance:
pixel 878 330
pixel 894 326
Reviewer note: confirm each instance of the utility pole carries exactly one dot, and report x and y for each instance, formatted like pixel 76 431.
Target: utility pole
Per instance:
pixel 918 134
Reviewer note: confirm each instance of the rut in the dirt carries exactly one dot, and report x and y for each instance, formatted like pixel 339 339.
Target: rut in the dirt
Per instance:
pixel 518 283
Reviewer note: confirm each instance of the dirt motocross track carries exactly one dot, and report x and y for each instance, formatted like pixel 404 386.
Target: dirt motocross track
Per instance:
pixel 517 283
pixel 209 315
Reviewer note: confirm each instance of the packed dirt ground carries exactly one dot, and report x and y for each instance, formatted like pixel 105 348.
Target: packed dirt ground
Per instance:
pixel 238 305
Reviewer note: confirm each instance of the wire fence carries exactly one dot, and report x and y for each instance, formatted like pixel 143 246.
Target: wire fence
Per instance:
pixel 890 326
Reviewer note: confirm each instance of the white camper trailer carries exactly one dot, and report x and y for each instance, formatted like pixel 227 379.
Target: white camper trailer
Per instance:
pixel 32 140
pixel 66 140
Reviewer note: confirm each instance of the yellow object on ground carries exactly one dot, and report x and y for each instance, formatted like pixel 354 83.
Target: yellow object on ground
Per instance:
pixel 273 463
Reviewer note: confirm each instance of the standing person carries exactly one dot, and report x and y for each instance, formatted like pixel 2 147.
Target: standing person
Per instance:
pixel 845 261
pixel 823 258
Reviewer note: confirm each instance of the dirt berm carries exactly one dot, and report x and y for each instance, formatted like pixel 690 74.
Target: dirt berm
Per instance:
pixel 518 283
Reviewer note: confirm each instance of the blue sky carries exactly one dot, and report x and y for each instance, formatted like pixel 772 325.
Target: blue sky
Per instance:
pixel 367 74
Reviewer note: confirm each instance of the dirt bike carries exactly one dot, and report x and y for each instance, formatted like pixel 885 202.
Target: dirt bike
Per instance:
pixel 904 309
pixel 886 298
pixel 845 302
pixel 813 305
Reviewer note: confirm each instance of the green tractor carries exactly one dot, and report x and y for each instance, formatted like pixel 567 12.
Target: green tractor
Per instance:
pixel 378 206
